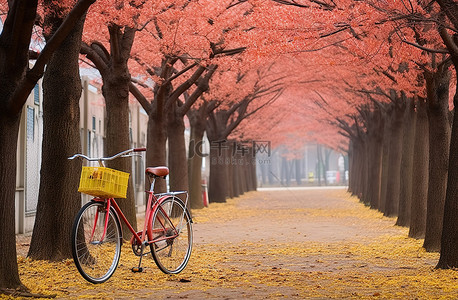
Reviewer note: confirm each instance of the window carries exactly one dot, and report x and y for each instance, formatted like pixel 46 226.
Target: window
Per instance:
pixel 30 123
pixel 36 94
pixel 89 143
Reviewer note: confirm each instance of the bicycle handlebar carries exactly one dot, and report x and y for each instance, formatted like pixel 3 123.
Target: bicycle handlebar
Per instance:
pixel 123 153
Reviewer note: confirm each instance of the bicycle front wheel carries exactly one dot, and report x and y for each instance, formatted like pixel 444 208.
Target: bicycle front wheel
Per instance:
pixel 172 236
pixel 96 251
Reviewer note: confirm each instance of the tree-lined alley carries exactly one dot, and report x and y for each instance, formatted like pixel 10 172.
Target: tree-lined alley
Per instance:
pixel 340 249
pixel 375 79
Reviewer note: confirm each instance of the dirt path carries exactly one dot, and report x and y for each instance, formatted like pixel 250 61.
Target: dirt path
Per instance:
pixel 293 243
pixel 293 215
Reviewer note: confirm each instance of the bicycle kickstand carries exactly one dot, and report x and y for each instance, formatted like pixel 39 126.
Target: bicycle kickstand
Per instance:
pixel 139 268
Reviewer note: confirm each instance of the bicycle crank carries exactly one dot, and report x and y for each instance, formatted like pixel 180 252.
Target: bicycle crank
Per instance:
pixel 136 247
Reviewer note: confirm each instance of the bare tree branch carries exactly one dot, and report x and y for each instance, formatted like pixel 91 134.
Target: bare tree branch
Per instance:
pixel 32 76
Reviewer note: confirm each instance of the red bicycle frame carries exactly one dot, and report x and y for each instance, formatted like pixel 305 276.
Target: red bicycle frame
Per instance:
pixel 150 208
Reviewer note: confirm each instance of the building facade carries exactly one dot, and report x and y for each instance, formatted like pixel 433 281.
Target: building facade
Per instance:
pixel 92 131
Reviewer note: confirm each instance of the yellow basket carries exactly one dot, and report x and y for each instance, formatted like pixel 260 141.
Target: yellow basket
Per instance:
pixel 103 182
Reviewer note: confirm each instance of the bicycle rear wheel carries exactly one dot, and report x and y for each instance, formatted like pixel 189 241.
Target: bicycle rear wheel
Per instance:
pixel 96 255
pixel 172 236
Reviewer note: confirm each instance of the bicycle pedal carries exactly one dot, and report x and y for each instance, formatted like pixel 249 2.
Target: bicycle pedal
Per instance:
pixel 137 269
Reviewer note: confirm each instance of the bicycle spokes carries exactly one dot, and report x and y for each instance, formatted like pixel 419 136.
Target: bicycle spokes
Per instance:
pixel 172 236
pixel 96 242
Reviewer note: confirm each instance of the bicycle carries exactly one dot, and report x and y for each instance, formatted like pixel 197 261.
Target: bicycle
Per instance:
pixel 97 235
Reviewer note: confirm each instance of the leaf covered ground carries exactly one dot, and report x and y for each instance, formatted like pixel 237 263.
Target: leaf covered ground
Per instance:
pixel 316 244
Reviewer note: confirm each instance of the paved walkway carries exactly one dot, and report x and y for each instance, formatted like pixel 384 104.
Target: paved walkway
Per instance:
pixel 275 243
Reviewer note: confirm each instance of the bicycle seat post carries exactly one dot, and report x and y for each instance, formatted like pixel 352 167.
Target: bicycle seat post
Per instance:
pixel 152 185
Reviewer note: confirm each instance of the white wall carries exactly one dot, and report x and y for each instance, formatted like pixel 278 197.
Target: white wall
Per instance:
pixel 92 124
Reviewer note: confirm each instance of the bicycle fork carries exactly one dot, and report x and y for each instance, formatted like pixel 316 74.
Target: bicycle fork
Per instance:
pixel 96 218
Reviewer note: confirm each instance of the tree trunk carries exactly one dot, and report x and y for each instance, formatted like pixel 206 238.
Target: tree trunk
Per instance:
pixel 420 174
pixel 449 241
pixel 375 172
pixel 232 179
pixel 235 179
pixel 14 49
pixel 358 157
pixel 297 164
pixel 115 91
pixel 156 145
pixel 247 174
pixel 218 175
pixel 394 178
pixel 270 174
pixel 197 119
pixel 405 194
pixel 156 154
pixel 437 85
pixel 365 179
pixel 264 174
pixel 319 165
pixel 13 44
pixel 178 178
pixel 351 150
pixel 251 170
pixel 9 129
pixel 243 180
pixel 195 160
pixel 385 163
pixel 59 200
pixel 285 174
pixel 375 142
pixel 219 157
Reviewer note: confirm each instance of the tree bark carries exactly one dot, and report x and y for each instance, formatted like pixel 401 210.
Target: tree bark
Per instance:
pixel 375 143
pixel 358 158
pixel 285 172
pixel 156 145
pixel 449 241
pixel 14 45
pixel 297 165
pixel 251 170
pixel 394 178
pixel 195 155
pixel 420 174
pixel 405 194
pixel 241 167
pixel 218 175
pixel 113 66
pixel 232 171
pixel 59 200
pixel 15 86
pixel 264 174
pixel 115 89
pixel 178 178
pixel 254 176
pixel 219 157
pixel 366 170
pixel 352 167
pixel 385 161
pixel 236 174
pixel 270 174
pixel 437 86
pixel 9 129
